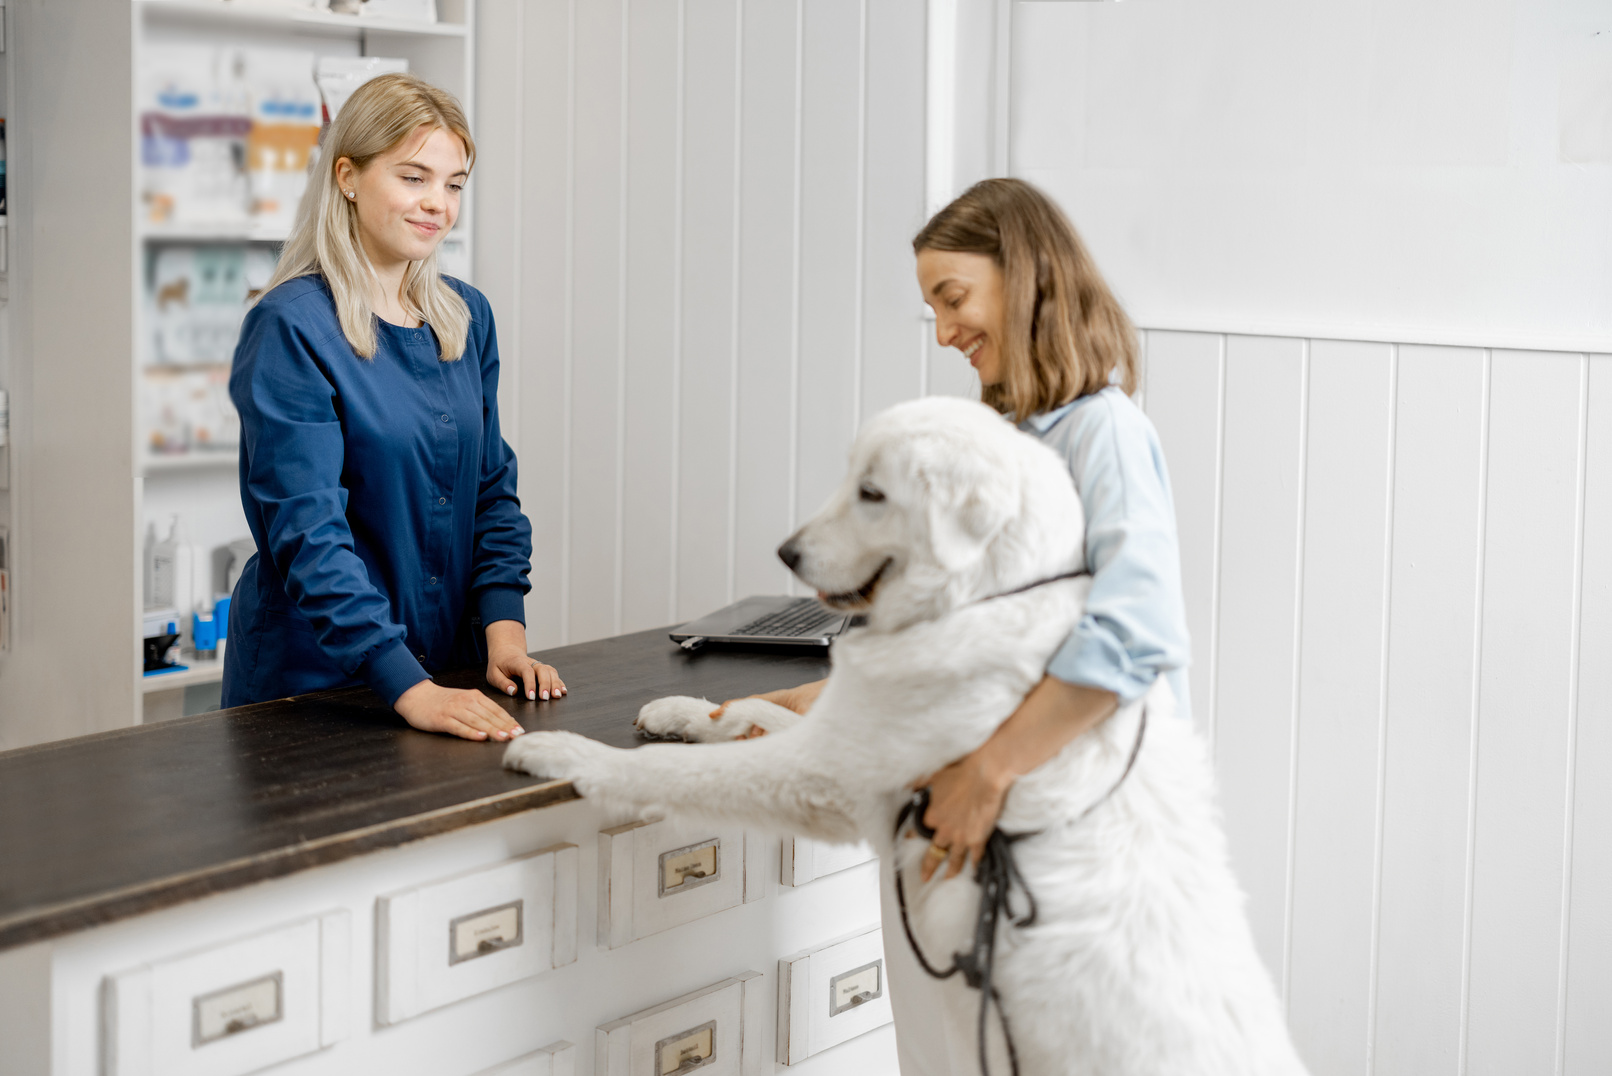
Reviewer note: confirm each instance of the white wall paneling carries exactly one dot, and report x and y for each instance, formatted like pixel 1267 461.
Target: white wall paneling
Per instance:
pixel 1530 578
pixel 1585 1033
pixel 1255 687
pixel 1186 374
pixel 1342 633
pixel 1440 451
pixel 703 279
pixel 1410 697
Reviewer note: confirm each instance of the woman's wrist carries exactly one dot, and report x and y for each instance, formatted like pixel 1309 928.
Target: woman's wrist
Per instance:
pixel 506 633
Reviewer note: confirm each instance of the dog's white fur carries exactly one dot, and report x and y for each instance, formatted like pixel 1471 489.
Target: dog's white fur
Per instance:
pixel 1141 960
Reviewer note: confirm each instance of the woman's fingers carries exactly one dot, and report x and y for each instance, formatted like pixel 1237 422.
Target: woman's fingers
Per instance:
pixel 497 678
pixel 458 728
pixel 500 722
pixel 529 679
pixel 954 862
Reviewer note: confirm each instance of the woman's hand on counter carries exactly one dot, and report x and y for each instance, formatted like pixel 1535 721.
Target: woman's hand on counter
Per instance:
pixel 469 715
pixel 798 699
pixel 510 670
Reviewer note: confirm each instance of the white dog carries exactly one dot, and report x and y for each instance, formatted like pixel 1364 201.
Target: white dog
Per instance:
pixel 945 532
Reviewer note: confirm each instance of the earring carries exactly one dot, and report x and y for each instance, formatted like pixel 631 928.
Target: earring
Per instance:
pixel 350 194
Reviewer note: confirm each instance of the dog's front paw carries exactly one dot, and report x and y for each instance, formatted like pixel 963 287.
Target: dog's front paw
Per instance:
pixel 682 717
pixel 564 755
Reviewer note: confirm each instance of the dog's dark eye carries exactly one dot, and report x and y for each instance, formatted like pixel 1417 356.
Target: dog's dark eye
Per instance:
pixel 868 493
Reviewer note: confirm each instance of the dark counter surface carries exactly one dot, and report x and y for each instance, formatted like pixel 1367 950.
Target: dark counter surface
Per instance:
pixel 105 827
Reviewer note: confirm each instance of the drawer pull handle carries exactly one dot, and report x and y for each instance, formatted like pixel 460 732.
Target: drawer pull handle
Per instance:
pixel 696 872
pixel 240 1023
pixel 866 995
pixel 491 945
pixel 690 1064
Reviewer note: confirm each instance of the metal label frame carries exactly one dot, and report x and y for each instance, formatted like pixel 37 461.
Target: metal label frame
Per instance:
pixel 688 882
pixel 196 1039
pixel 518 904
pixel 695 1030
pixel 860 999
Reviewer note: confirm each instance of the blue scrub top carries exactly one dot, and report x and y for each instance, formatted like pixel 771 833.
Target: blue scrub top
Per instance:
pixel 1135 624
pixel 382 499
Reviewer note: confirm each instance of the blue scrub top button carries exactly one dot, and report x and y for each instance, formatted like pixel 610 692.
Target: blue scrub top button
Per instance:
pixel 433 580
pixel 442 500
pixel 444 418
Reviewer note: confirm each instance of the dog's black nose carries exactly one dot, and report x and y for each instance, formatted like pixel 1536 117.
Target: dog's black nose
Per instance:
pixel 789 553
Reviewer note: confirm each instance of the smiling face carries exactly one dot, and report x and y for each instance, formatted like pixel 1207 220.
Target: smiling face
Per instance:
pixel 965 292
pixel 408 197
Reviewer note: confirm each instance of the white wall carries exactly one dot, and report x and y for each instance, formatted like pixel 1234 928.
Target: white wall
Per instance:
pixel 1429 170
pixel 1394 558
pixel 1393 552
pixel 695 225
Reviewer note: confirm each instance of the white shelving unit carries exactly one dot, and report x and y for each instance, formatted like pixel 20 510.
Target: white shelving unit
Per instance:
pixel 83 483
pixel 201 486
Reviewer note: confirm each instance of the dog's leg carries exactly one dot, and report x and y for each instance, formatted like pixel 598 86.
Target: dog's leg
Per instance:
pixel 776 782
pixel 683 717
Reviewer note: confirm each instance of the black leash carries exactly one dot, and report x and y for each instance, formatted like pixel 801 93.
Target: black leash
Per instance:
pixel 997 874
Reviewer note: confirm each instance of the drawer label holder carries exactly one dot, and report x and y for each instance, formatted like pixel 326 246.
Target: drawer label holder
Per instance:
pixel 855 987
pixel 686 1050
pixel 237 1008
pixel 689 867
pixel 491 930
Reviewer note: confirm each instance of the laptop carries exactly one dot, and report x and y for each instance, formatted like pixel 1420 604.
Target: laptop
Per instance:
pixel 773 621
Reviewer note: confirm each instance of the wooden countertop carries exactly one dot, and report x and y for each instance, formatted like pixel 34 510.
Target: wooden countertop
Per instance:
pixel 110 826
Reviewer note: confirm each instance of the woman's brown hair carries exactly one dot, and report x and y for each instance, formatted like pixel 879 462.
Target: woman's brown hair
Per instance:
pixel 1065 332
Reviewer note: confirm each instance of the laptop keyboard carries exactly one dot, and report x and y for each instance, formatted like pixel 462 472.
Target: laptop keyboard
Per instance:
pixel 804 617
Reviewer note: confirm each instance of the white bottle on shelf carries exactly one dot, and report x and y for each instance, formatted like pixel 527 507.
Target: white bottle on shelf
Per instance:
pixel 162 567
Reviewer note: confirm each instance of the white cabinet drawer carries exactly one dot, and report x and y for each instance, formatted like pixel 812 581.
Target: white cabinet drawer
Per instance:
pixel 555 1059
pixel 456 937
pixel 658 875
pixel 831 994
pixel 714 1032
pixel 806 860
pixel 231 1008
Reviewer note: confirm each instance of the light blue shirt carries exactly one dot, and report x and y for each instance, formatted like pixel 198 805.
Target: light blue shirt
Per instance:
pixel 1134 627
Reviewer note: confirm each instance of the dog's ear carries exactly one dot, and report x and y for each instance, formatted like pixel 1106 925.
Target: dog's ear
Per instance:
pixel 964 519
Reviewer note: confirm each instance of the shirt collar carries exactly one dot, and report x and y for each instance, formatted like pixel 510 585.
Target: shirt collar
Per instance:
pixel 1042 421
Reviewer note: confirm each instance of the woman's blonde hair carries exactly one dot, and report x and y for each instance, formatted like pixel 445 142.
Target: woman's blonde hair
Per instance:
pixel 1065 332
pixel 377 117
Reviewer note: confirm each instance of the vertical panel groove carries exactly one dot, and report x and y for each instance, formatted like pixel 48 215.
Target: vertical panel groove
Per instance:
pixel 516 332
pixel 861 210
pixel 735 293
pixel 678 136
pixel 1382 712
pixel 1477 684
pixel 1220 513
pixel 1573 659
pixel 794 300
pixel 620 596
pixel 568 363
pixel 1297 659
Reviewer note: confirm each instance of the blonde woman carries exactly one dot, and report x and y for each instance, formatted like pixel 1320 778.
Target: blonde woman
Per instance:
pixel 375 481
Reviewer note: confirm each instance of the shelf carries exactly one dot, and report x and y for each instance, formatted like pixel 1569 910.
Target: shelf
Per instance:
pixel 212 233
pixel 237 12
pixel 197 671
pixel 188 461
